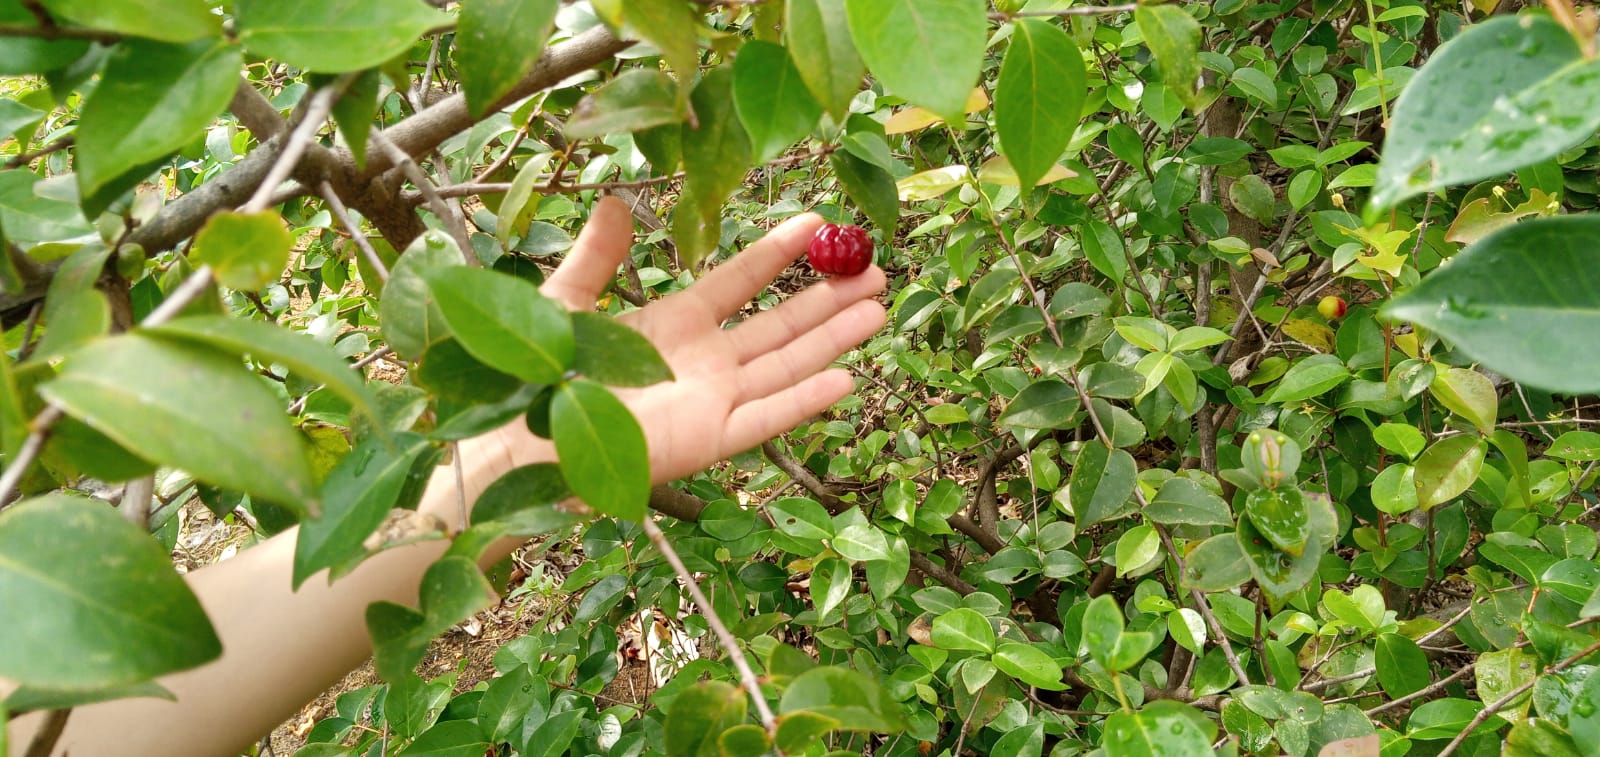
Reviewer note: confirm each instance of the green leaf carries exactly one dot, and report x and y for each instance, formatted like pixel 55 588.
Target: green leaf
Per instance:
pixel 353 113
pixel 771 100
pixel 298 352
pixel 1400 438
pixel 1503 671
pixel 190 408
pixel 1583 720
pixel 602 449
pixel 831 580
pixel 700 714
pixel 27 55
pixel 497 42
pixel 716 156
pixel 1444 718
pixel 1309 378
pixel 410 319
pixel 1447 469
pixel 333 36
pixel 963 629
pixel 248 250
pixel 505 322
pixel 861 542
pixel 797 731
pixel 553 736
pixel 163 20
pixel 1282 516
pixel 672 27
pixel 1521 301
pixel 1101 483
pixel 527 500
pixel 152 99
pixel 1165 728
pixel 517 197
pixel 1137 546
pixel 636 100
pixel 928 51
pixel 872 188
pixel 452 590
pixel 1469 394
pixel 1173 37
pixel 819 42
pixel 1216 564
pixel 1102 628
pixel 611 353
pixel 103 607
pixel 600 598
pixel 1182 501
pixel 1039 98
pixel 356 497
pixel 29 215
pixel 1402 665
pixel 1507 93
pixel 1030 665
pixel 857 702
pixel 1394 490
pixel 1043 404
pixel 75 311
pixel 447 738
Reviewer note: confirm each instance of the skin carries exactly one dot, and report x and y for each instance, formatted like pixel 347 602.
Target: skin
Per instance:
pixel 734 389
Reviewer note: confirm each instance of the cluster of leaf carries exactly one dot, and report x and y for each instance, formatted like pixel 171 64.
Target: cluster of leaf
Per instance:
pixel 1110 482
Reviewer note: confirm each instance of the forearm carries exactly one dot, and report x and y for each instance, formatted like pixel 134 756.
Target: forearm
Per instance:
pixel 281 648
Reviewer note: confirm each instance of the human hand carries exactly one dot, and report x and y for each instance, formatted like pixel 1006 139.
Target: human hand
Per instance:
pixel 734 388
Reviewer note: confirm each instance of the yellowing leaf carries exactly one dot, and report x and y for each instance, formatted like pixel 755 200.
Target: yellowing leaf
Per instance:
pixel 1309 333
pixel 1385 244
pixel 909 120
pixel 914 118
pixel 930 184
pixel 1477 218
pixel 997 170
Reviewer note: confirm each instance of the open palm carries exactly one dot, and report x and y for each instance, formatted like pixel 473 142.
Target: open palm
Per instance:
pixel 738 387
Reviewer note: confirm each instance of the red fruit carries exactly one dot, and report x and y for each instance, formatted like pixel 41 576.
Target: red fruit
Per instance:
pixel 1332 307
pixel 840 250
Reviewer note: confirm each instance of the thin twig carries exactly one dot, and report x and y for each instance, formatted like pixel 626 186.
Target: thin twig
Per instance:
pixel 736 656
pixel 448 212
pixel 44 742
pixel 1497 705
pixel 30 449
pixel 317 110
pixel 362 243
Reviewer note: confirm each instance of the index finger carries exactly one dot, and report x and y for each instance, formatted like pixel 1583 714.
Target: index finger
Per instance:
pixel 729 286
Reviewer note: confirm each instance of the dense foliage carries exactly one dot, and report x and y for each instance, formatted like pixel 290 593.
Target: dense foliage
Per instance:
pixel 1111 482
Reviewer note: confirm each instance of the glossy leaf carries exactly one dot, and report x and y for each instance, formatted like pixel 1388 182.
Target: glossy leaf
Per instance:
pixel 1030 665
pixel 872 188
pixel 1282 516
pixel 819 42
pixel 1044 404
pixel 103 604
pixel 315 34
pixel 248 250
pixel 857 702
pixel 1469 394
pixel 634 101
pixel 1102 481
pixel 411 319
pixel 1173 36
pixel 505 322
pixel 1165 728
pixel 1309 378
pixel 1520 302
pixel 963 629
pixel 1181 501
pixel 190 408
pixel 163 20
pixel 602 449
pixel 928 51
pixel 716 154
pixel 1402 666
pixel 356 497
pixel 1447 469
pixel 1507 93
pixel 452 590
pixel 1040 94
pixel 611 353
pixel 772 101
pixel 497 42
pixel 153 98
